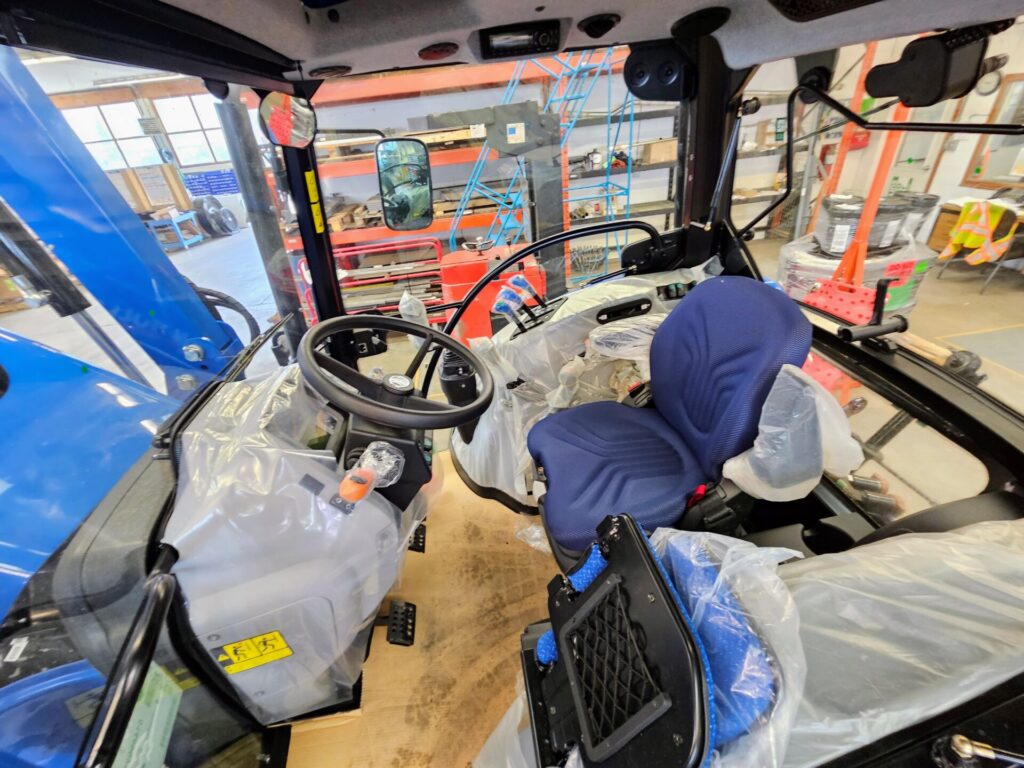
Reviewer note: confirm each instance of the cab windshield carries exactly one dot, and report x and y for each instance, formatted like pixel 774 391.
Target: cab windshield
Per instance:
pixel 517 151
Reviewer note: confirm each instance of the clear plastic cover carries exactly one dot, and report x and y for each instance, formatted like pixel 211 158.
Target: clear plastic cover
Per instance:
pixel 510 744
pixel 413 309
pixel 628 339
pixel 568 384
pixel 497 457
pixel 802 432
pixel 903 629
pixel 533 535
pixel 802 265
pixel 539 371
pixel 386 461
pixel 282 579
pixel 748 623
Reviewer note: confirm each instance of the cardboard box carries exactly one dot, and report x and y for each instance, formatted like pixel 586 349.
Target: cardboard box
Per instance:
pixel 11 299
pixel 663 151
pixel 944 223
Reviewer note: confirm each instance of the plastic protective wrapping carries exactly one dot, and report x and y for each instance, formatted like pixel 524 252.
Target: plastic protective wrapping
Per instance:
pixel 537 372
pixel 281 578
pixel 533 535
pixel 802 265
pixel 497 457
pixel 628 339
pixel 802 432
pixel 510 744
pixel 413 309
pixel 379 466
pixel 748 624
pixel 903 629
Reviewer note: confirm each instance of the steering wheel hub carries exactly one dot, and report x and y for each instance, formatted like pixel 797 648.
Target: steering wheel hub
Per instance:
pixel 398 384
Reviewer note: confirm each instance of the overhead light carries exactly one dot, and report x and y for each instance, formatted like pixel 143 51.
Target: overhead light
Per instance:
pixel 117 82
pixel 33 60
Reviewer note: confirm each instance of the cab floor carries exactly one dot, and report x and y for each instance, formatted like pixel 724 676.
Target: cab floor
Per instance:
pixel 435 703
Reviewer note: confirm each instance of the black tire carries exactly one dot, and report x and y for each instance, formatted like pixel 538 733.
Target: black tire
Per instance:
pixel 229 221
pixel 207 209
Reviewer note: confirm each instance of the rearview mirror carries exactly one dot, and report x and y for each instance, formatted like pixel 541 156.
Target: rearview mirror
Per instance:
pixel 406 194
pixel 287 121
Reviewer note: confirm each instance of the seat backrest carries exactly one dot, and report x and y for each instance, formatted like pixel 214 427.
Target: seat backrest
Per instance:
pixel 714 359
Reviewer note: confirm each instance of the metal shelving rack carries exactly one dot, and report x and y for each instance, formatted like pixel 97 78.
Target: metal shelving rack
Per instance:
pixel 573 77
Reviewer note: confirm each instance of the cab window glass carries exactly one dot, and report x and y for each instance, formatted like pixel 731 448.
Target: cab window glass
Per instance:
pixel 518 151
pixel 962 292
pixel 196 196
pixel 908 466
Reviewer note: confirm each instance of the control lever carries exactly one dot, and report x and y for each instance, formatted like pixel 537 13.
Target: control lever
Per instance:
pixel 958 750
pixel 520 282
pixel 876 326
pixel 378 466
pixel 458 382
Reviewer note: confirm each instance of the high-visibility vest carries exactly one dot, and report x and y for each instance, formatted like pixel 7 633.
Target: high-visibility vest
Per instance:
pixel 973 232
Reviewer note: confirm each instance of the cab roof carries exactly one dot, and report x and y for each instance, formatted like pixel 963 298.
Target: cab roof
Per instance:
pixel 375 35
pixel 278 43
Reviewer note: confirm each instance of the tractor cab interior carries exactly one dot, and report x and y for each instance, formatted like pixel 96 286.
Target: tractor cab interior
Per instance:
pixel 728 586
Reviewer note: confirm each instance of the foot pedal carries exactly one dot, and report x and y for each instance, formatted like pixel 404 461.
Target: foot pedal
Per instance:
pixel 419 539
pixel 402 623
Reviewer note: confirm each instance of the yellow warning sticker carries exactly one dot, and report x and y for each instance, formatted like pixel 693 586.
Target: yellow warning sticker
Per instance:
pixel 252 652
pixel 311 187
pixel 318 217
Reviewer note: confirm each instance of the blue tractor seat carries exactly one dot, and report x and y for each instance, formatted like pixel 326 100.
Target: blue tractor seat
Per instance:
pixel 713 361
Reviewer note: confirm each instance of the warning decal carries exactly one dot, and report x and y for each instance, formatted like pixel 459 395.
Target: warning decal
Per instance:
pixel 252 652
pixel 318 217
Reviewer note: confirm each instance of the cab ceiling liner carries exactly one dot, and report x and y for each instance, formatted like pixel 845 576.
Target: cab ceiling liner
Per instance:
pixel 147 34
pixel 809 10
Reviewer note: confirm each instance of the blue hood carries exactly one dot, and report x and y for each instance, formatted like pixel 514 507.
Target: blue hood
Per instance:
pixel 69 431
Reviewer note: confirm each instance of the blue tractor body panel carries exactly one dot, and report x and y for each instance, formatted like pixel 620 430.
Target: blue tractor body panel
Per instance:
pixel 70 433
pixel 53 183
pixel 38 728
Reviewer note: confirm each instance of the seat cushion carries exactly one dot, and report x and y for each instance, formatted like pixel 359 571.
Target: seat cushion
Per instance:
pixel 607 458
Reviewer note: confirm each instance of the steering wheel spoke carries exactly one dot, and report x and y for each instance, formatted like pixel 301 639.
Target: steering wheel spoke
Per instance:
pixel 362 384
pixel 426 404
pixel 429 340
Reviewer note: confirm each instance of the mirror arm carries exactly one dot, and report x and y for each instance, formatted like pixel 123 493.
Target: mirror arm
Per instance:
pixel 1001 129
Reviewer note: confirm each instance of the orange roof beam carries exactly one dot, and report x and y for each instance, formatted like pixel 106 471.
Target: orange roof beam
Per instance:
pixel 412 83
pixel 832 182
pixel 851 267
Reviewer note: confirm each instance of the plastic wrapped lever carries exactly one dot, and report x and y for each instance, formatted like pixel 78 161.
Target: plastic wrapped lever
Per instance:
pixel 379 466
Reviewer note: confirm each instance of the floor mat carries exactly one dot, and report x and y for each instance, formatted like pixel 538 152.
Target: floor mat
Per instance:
pixel 1004 346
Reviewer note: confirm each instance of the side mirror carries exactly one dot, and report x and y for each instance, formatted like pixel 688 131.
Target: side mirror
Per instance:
pixel 287 121
pixel 406 193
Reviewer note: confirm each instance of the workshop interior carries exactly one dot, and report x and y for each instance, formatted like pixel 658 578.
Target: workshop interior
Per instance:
pixel 511 385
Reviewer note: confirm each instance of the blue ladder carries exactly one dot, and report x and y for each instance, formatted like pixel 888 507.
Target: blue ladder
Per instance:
pixel 574 76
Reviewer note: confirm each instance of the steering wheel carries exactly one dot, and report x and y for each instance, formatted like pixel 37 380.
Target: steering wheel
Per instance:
pixel 393 400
